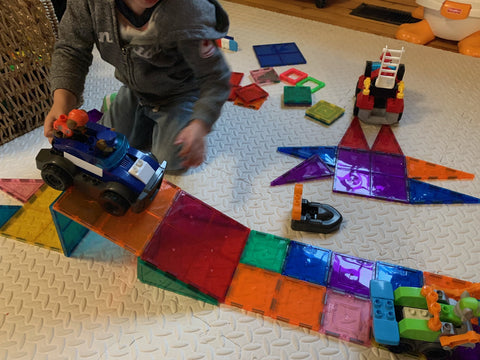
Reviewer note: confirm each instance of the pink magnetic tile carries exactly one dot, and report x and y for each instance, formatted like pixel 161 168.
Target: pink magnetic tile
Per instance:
pixel 198 245
pixel 265 76
pixel 21 189
pixel 251 93
pixel 293 76
pixel 347 318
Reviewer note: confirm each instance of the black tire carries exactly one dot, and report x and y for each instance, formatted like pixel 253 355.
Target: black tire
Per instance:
pixel 113 203
pixel 56 177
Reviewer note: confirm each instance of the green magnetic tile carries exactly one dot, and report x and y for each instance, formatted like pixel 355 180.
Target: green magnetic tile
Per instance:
pixel 325 112
pixel 151 275
pixel 297 95
pixel 265 251
pixel 305 82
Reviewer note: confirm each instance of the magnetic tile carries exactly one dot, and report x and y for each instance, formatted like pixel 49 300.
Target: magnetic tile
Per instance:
pixel 70 233
pixel 297 96
pixel 423 193
pixel 21 189
pixel 6 212
pixel 389 187
pixel 386 141
pixel 298 303
pixel 354 137
pixel 256 104
pixel 398 275
pixel 251 93
pixel 347 317
pixel 325 112
pixel 198 245
pixel 351 274
pixel 327 153
pixel 424 170
pixel 354 159
pixel 265 76
pixel 311 83
pixel 307 262
pixel 293 76
pixel 352 181
pixel 278 54
pixel 310 169
pixel 388 164
pixel 265 251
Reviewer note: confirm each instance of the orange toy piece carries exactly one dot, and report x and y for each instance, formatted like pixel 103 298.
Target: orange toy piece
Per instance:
pixel 434 307
pixel 61 126
pixel 452 341
pixel 297 202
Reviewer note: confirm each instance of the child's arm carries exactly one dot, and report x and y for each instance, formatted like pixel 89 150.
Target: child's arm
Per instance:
pixel 192 140
pixel 63 102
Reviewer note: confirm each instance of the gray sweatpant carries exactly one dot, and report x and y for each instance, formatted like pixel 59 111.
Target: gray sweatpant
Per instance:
pixel 151 128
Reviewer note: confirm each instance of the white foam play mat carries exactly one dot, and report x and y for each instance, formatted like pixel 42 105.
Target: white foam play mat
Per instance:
pixel 105 300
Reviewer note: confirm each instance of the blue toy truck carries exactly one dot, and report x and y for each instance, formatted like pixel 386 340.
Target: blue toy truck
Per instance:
pixel 102 164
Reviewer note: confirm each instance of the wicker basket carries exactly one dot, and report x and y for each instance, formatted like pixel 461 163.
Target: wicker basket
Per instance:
pixel 27 34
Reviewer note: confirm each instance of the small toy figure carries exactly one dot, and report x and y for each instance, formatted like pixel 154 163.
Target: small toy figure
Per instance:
pixel 450 20
pixel 73 123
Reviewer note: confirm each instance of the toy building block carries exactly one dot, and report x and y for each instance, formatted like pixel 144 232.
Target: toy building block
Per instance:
pixel 312 168
pixel 347 317
pixel 151 275
pixel 313 217
pixel 317 84
pixel 265 76
pixel 451 286
pixel 423 170
pixel 307 263
pixel 265 251
pixel 293 76
pixel 21 189
pixel 198 245
pixel 385 326
pixel 328 154
pixel 227 43
pixel 351 275
pixel 278 54
pixel 297 96
pixel 324 112
pixel 410 296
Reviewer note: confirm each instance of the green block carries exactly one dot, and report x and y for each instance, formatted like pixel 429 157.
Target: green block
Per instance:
pixel 417 329
pixel 150 275
pixel 410 296
pixel 324 112
pixel 297 95
pixel 447 314
pixel 265 251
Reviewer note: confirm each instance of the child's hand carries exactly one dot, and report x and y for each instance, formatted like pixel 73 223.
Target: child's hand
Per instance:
pixel 63 102
pixel 192 139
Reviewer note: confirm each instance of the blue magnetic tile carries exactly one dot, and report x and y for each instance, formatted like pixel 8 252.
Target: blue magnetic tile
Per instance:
pixel 398 275
pixel 6 212
pixel 327 153
pixel 278 54
pixel 308 263
pixel 389 187
pixel 423 193
pixel 69 232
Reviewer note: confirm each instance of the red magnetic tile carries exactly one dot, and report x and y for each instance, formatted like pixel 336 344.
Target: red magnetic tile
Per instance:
pixel 386 141
pixel 251 93
pixel 198 245
pixel 293 76
pixel 354 137
pixel 21 189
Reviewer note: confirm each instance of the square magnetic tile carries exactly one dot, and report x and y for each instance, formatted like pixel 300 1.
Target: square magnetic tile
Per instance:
pixel 398 275
pixel 297 96
pixel 353 159
pixel 352 181
pixel 251 93
pixel 278 54
pixel 293 76
pixel 325 112
pixel 265 76
pixel 351 274
pixel 198 245
pixel 347 317
pixel 307 262
pixel 389 164
pixel 389 187
pixel 312 83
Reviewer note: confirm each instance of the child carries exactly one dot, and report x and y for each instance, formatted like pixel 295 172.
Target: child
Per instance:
pixel 175 80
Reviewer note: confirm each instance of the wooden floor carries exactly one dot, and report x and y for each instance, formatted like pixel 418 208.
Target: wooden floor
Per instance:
pixel 337 12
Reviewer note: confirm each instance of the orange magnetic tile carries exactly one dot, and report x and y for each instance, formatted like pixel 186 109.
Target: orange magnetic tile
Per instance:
pixel 424 170
pixel 131 231
pixel 256 104
pixel 299 303
pixel 21 189
pixel 252 289
pixel 452 287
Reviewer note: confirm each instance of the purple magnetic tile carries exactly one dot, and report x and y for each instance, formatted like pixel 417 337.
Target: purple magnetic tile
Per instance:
pixel 357 159
pixel 352 181
pixel 310 169
pixel 351 274
pixel 389 164
pixel 389 187
pixel 347 318
pixel 94 115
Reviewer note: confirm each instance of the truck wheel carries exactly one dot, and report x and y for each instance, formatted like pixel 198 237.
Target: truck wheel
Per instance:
pixel 113 203
pixel 56 177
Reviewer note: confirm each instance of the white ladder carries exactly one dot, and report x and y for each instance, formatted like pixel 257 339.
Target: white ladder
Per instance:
pixel 387 73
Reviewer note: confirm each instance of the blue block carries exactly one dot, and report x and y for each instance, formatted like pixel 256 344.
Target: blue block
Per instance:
pixel 278 54
pixel 399 275
pixel 385 326
pixel 423 193
pixel 327 153
pixel 69 232
pixel 308 263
